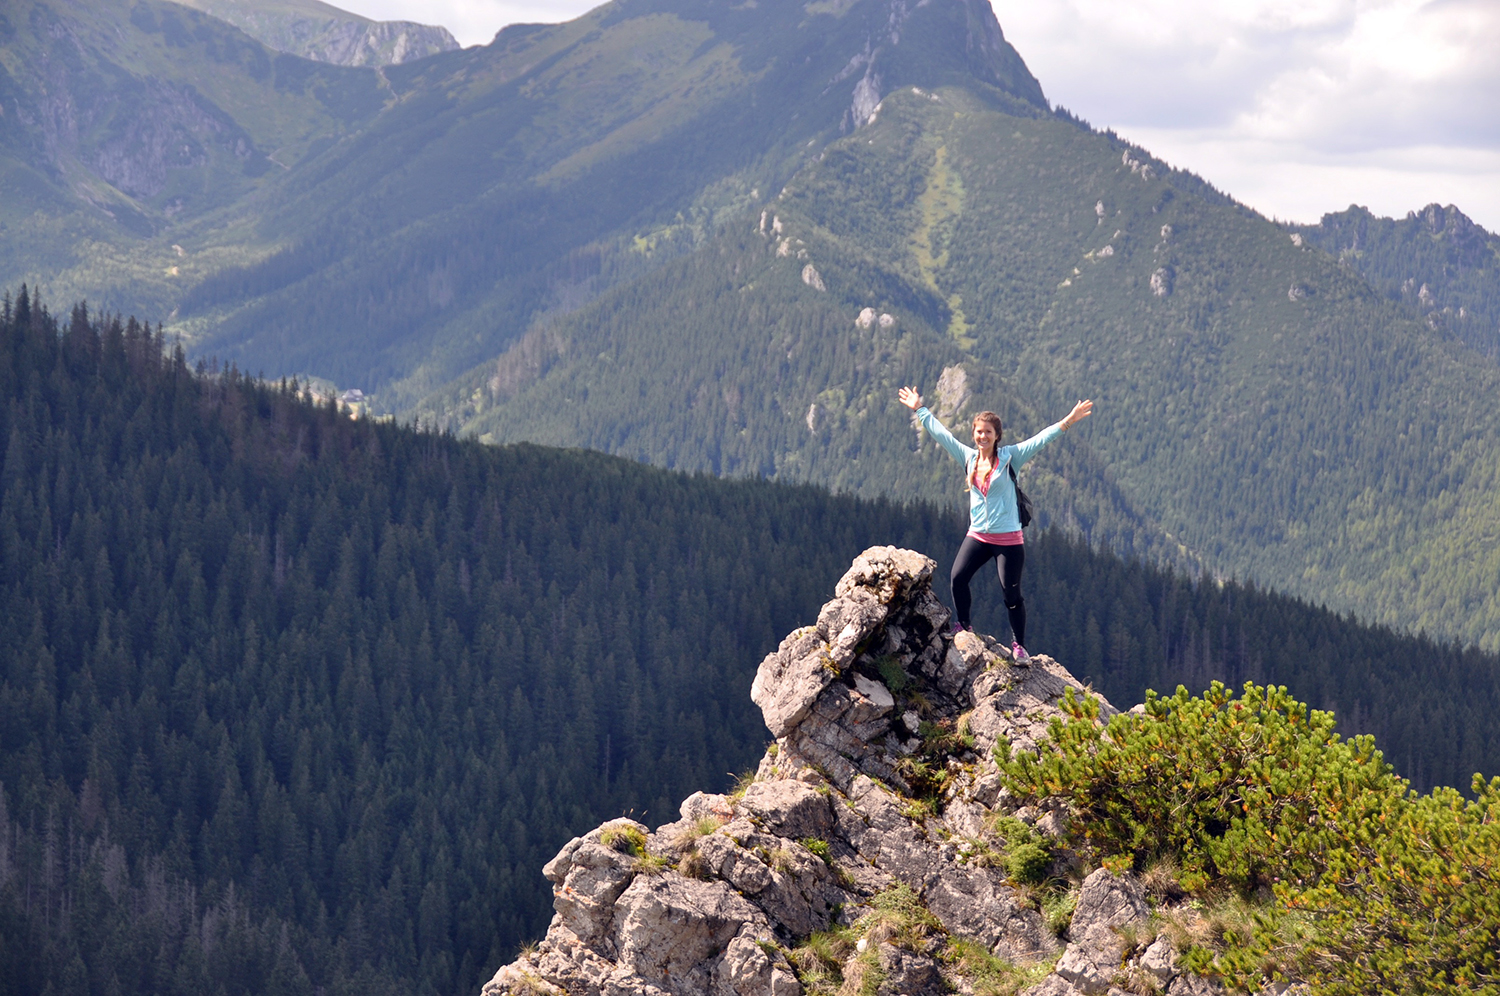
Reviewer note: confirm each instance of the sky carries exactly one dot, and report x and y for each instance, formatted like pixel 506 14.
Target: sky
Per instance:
pixel 1294 107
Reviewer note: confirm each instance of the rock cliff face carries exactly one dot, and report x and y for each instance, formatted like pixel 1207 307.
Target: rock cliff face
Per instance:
pixel 327 34
pixel 859 855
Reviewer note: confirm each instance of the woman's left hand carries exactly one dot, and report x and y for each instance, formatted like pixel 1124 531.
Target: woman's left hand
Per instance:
pixel 1080 411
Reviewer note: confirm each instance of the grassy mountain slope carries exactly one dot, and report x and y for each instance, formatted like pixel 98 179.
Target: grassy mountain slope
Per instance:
pixel 1267 406
pixel 1436 262
pixel 123 125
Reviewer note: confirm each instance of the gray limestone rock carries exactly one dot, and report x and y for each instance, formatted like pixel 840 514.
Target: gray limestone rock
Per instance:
pixel 1052 985
pixel 976 903
pixel 667 930
pixel 791 679
pixel 1108 899
pixel 789 809
pixel 748 969
pixel 1194 985
pixel 1078 967
pixel 1160 959
pixel 908 974
pixel 830 822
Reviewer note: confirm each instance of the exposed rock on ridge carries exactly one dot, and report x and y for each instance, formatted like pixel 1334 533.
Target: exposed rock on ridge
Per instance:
pixel 326 34
pixel 879 788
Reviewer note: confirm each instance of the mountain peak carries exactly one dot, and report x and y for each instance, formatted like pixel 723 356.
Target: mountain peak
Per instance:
pixel 851 825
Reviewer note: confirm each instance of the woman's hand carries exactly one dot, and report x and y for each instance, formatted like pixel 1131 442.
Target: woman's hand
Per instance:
pixel 1080 411
pixel 910 397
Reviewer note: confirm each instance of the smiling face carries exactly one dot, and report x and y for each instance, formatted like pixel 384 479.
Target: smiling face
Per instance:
pixel 985 437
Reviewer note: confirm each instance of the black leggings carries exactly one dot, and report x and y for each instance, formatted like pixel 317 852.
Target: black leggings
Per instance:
pixel 971 557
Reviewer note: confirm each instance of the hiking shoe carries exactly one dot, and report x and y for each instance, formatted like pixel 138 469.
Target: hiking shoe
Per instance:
pixel 955 628
pixel 1019 652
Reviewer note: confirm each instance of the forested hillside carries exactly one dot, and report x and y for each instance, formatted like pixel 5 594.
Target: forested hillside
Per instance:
pixel 1259 404
pixel 294 702
pixel 127 124
pixel 1436 262
pixel 714 237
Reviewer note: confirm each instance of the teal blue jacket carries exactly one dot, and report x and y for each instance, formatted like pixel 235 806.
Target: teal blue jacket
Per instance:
pixel 995 512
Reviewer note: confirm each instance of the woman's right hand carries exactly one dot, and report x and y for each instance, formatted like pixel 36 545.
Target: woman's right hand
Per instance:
pixel 910 397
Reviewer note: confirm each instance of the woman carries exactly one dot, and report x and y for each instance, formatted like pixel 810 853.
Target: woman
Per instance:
pixel 994 521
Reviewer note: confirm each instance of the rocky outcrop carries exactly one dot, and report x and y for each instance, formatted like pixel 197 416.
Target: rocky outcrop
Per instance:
pixel 871 823
pixel 313 33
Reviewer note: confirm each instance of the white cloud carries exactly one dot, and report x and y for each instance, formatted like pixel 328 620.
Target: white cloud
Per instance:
pixel 1295 107
pixel 473 22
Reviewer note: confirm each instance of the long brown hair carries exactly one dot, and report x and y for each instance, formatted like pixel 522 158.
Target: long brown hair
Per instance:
pixel 994 421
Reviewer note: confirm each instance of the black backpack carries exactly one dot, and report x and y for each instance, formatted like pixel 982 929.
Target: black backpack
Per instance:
pixel 1023 504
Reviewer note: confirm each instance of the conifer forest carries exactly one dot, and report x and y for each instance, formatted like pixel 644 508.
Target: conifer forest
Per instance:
pixel 293 703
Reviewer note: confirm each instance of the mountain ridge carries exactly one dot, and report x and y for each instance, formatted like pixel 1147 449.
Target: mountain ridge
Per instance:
pixel 324 33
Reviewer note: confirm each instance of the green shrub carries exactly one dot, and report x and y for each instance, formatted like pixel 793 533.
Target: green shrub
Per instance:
pixel 1313 858
pixel 1247 791
pixel 1027 863
pixel 1409 899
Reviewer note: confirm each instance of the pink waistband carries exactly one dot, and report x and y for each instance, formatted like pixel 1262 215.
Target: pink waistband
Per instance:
pixel 1000 539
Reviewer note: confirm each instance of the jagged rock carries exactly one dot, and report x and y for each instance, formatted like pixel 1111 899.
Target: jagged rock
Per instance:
pixel 1109 900
pixel 669 928
pixel 849 803
pixel 748 970
pixel 702 805
pixel 789 809
pixel 908 974
pixel 1160 960
pixel 1096 954
pixel 1193 985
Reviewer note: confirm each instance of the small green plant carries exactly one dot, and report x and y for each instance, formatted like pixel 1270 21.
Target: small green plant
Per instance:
pixel 989 975
pixel 943 738
pixel 819 848
pixel 899 915
pixel 688 837
pixel 1057 909
pixel 819 960
pixel 782 860
pixel 1028 863
pixel 892 673
pixel 1028 854
pixel 741 783
pixel 652 864
pixel 623 837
